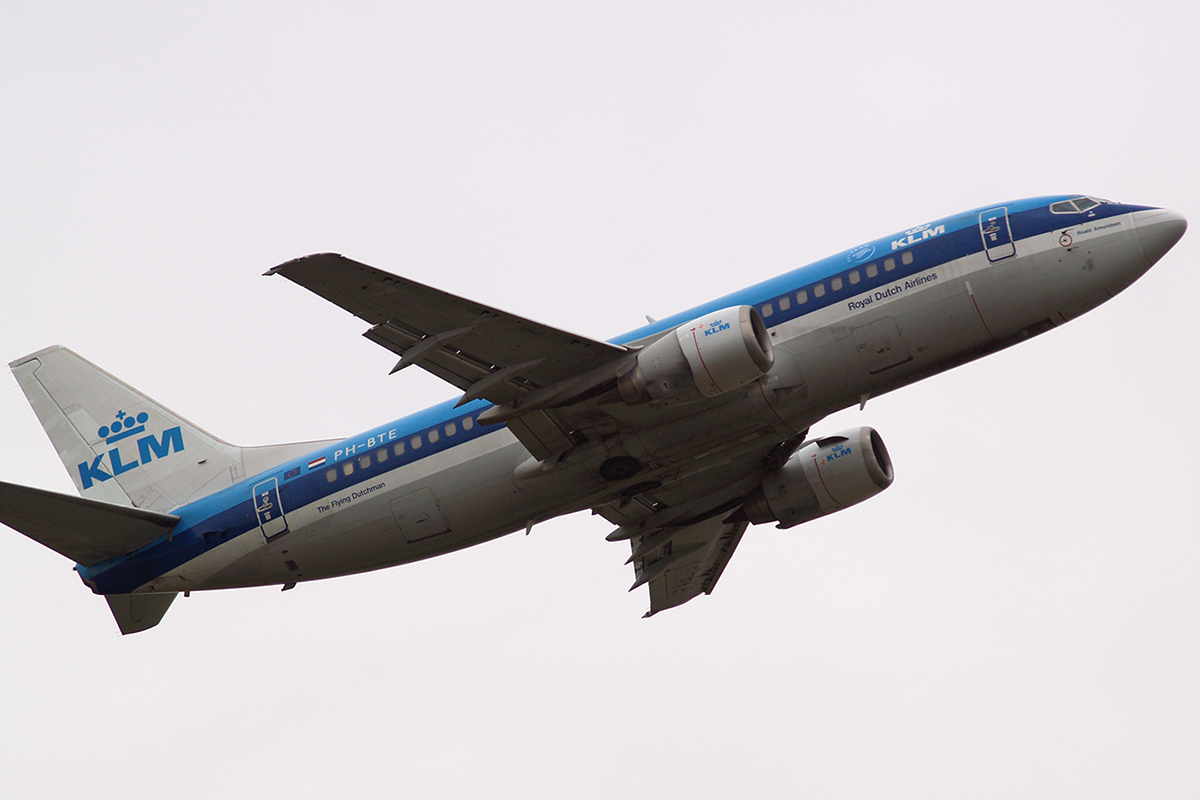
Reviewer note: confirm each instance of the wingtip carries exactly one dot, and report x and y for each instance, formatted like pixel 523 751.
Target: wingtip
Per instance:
pixel 278 268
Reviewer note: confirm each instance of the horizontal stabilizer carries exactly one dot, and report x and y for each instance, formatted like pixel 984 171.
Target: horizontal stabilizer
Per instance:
pixel 87 531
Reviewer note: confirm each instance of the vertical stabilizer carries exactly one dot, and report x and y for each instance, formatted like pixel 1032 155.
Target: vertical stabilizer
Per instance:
pixel 118 445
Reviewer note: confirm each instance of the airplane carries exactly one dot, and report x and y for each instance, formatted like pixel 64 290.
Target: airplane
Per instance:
pixel 681 433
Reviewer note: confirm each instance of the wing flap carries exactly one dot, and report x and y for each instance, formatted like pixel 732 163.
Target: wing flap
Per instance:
pixel 542 433
pixel 87 531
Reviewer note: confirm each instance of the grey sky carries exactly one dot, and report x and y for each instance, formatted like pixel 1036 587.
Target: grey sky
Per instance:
pixel 1017 616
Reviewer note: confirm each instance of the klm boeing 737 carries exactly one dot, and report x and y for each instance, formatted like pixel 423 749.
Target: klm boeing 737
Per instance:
pixel 681 433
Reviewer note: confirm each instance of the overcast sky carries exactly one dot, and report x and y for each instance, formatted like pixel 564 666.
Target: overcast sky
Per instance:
pixel 1017 617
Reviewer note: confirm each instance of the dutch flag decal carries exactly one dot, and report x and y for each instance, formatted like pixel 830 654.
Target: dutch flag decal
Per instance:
pixel 316 462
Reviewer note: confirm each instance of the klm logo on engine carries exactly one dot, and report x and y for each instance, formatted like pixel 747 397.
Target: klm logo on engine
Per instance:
pixel 149 448
pixel 837 452
pixel 716 327
pixel 918 235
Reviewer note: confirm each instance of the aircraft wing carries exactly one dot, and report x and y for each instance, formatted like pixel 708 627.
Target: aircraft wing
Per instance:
pixel 682 562
pixel 682 536
pixel 483 351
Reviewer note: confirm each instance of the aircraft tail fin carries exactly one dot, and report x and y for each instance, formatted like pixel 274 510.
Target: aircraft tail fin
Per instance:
pixel 118 445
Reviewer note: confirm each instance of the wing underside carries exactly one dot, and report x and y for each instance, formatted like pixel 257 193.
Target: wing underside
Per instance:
pixel 682 536
pixel 692 563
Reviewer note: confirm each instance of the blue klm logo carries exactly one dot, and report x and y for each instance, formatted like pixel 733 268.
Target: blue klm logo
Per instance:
pixel 837 452
pixel 149 448
pixel 716 326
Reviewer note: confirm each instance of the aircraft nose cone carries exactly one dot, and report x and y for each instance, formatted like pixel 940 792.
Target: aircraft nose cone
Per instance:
pixel 1158 231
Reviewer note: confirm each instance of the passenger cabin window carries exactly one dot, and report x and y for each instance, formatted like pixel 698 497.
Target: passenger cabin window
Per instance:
pixel 889 264
pixel 398 448
pixel 906 257
pixel 802 296
pixel 468 423
pixel 381 455
pixel 364 461
pixel 872 270
pixel 433 436
pixel 348 468
pixel 836 284
pixel 451 429
pixel 819 290
pixel 785 303
pixel 415 442
pixel 854 276
pixel 768 310
pixel 331 475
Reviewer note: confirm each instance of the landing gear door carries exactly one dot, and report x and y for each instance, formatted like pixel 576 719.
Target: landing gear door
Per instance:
pixel 881 346
pixel 419 516
pixel 997 235
pixel 269 510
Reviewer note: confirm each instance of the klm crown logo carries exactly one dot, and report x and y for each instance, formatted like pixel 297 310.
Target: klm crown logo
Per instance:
pixel 149 448
pixel 123 427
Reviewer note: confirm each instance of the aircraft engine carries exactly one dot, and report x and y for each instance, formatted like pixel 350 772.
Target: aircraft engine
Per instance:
pixel 709 356
pixel 823 476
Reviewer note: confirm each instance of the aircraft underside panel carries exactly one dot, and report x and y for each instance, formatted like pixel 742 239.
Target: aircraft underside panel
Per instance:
pixel 881 346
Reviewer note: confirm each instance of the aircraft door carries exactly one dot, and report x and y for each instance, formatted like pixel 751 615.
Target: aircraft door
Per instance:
pixel 269 510
pixel 996 233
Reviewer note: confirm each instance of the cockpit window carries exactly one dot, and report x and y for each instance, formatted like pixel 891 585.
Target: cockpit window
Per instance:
pixel 1076 206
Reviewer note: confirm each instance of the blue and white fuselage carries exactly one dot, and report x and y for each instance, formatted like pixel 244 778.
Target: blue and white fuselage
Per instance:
pixel 852 326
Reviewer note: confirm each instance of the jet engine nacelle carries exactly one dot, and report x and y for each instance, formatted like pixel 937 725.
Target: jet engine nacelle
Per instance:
pixel 823 476
pixel 709 356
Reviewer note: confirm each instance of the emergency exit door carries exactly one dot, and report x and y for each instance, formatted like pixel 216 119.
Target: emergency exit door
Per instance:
pixel 997 235
pixel 268 508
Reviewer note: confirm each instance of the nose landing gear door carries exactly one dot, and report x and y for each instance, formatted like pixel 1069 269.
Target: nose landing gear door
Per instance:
pixel 997 235
pixel 269 510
